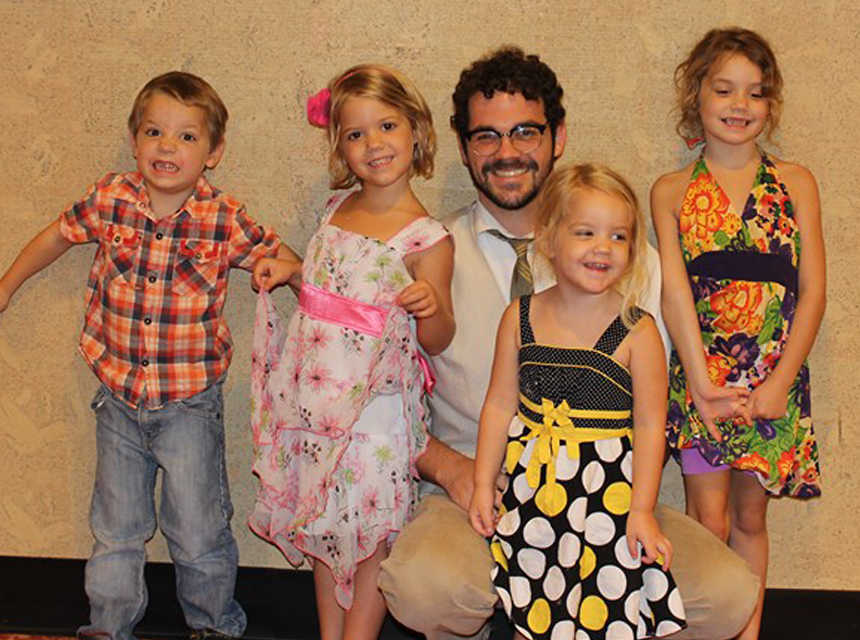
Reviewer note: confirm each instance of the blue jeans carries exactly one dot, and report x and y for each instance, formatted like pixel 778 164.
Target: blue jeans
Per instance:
pixel 186 440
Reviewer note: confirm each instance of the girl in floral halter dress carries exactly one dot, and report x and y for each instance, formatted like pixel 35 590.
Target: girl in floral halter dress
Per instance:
pixel 338 395
pixel 743 295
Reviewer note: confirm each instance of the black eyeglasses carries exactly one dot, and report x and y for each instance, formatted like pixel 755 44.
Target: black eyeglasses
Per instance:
pixel 525 138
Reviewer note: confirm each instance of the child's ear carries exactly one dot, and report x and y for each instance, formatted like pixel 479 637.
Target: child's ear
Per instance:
pixel 215 154
pixel 132 142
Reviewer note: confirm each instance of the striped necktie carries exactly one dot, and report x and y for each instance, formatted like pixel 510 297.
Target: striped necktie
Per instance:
pixel 521 278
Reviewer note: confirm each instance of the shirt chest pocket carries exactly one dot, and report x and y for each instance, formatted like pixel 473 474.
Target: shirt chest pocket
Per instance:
pixel 196 267
pixel 122 248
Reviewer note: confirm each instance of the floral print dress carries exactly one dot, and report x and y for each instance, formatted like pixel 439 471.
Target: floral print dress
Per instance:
pixel 338 414
pixel 743 274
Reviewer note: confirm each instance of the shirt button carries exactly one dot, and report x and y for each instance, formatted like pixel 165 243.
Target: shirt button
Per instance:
pixel 144 362
pixel 151 279
pixel 159 236
pixel 147 321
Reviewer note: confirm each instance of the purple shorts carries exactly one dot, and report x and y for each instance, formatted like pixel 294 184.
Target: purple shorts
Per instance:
pixel 693 463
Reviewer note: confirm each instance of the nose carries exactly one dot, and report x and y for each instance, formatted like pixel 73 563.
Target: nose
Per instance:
pixel 506 148
pixel 374 139
pixel 166 143
pixel 741 101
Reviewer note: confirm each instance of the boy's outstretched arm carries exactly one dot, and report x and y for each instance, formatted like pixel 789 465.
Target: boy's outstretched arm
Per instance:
pixel 48 245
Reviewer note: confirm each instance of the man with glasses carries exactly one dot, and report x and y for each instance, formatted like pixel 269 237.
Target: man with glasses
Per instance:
pixel 510 126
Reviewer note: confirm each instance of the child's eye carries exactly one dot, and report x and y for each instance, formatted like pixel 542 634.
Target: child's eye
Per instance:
pixel 619 237
pixel 352 136
pixel 757 95
pixel 151 132
pixel 584 233
pixel 189 137
pixel 721 92
pixel 389 126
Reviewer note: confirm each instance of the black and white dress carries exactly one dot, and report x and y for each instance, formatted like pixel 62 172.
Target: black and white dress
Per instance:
pixel 563 569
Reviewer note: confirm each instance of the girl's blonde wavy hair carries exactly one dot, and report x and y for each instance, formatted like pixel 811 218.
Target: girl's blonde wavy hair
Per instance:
pixel 557 200
pixel 394 89
pixel 713 49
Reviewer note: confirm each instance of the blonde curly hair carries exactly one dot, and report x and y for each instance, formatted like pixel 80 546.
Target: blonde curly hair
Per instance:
pixel 394 89
pixel 558 197
pixel 712 50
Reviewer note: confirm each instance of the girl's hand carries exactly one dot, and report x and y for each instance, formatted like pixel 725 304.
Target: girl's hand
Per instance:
pixel 271 272
pixel 715 403
pixel 642 527
pixel 419 299
pixel 768 401
pixel 482 513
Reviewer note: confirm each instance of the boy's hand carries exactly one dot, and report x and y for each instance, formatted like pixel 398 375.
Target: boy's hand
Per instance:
pixel 716 403
pixel 768 401
pixel 482 513
pixel 271 272
pixel 642 527
pixel 419 299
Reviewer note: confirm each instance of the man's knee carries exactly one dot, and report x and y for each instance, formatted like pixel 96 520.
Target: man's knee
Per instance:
pixel 437 576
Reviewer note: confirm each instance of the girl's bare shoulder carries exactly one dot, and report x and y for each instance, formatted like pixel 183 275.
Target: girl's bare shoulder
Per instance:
pixel 668 190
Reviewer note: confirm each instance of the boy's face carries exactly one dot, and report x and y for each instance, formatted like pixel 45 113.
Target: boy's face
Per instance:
pixel 172 147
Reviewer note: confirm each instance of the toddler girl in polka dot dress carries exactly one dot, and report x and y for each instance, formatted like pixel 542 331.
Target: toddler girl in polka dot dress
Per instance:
pixel 578 368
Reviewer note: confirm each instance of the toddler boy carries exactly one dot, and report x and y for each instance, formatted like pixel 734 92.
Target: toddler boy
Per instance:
pixel 155 337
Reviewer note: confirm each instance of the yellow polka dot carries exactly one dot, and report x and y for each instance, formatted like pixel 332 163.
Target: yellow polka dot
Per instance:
pixel 498 554
pixel 587 562
pixel 513 454
pixel 538 618
pixel 593 613
pixel 616 498
pixel 551 500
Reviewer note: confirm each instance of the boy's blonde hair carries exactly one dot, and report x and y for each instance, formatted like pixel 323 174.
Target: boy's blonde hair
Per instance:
pixel 191 91
pixel 713 49
pixel 558 198
pixel 394 89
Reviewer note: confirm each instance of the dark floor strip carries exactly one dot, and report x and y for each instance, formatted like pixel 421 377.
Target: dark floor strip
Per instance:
pixel 44 596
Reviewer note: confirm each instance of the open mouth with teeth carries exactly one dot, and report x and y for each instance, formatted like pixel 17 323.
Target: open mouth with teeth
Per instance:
pixel 378 163
pixel 165 167
pixel 597 266
pixel 736 123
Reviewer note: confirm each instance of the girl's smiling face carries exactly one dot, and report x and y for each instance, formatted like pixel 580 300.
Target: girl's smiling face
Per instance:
pixel 377 141
pixel 172 147
pixel 591 246
pixel 732 105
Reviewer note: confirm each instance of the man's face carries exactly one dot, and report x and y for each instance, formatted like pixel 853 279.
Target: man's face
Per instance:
pixel 510 179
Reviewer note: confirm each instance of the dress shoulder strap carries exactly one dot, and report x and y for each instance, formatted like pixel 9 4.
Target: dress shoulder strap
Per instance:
pixel 420 234
pixel 615 333
pixel 526 334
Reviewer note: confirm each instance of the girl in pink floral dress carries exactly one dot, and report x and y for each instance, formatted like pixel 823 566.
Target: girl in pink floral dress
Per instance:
pixel 338 415
pixel 743 296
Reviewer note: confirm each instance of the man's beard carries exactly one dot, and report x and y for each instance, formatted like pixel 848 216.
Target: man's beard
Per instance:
pixel 520 201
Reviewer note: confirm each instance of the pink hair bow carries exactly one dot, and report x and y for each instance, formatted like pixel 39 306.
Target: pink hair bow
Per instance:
pixel 318 108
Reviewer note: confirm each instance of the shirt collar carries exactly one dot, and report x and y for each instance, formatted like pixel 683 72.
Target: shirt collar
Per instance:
pixel 131 188
pixel 484 221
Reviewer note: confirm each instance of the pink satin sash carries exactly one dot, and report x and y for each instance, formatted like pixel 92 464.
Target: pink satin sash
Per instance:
pixel 352 314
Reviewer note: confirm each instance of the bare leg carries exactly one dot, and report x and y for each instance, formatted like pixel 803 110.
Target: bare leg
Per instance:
pixel 331 615
pixel 749 538
pixel 364 619
pixel 707 497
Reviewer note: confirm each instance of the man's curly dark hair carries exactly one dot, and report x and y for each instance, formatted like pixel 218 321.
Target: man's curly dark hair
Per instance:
pixel 510 70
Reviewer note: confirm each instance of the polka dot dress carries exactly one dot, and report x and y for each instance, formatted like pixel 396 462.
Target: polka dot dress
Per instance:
pixel 563 570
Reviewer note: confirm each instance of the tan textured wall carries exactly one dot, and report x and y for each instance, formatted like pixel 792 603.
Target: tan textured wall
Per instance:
pixel 71 69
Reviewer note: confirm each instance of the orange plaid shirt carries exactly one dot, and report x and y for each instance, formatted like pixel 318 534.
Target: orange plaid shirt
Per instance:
pixel 154 331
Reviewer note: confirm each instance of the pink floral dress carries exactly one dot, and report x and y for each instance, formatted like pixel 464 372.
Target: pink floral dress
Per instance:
pixel 338 415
